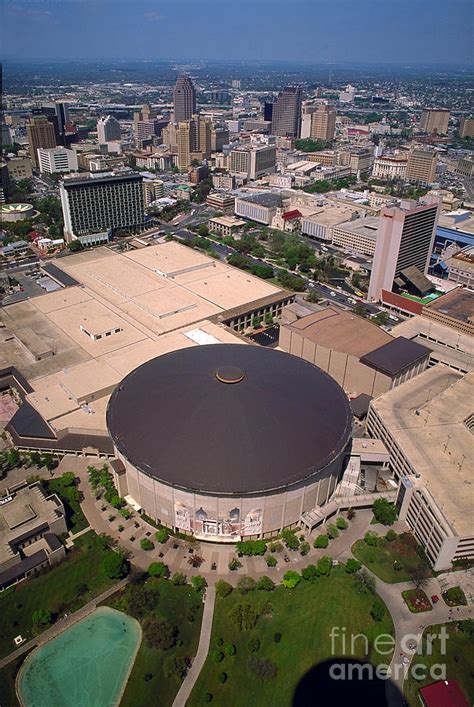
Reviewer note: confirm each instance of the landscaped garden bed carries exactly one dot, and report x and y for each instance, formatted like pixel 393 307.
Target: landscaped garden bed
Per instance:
pixel 417 600
pixel 454 596
pixel 393 558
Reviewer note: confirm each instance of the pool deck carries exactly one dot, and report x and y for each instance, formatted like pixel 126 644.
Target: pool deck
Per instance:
pixel 62 624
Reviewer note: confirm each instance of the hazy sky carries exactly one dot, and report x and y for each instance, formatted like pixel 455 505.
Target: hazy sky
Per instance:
pixel 399 31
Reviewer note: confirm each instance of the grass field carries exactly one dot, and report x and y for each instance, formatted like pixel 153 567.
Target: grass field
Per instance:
pixel 175 605
pixel 304 616
pixel 380 558
pixel 65 588
pixel 459 660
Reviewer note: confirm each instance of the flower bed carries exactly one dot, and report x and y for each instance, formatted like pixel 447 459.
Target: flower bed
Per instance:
pixel 416 600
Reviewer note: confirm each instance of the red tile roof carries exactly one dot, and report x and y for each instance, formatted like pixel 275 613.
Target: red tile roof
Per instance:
pixel 291 215
pixel 443 694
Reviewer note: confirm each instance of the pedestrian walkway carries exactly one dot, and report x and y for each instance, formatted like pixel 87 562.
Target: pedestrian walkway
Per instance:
pixel 62 624
pixel 202 651
pixel 71 538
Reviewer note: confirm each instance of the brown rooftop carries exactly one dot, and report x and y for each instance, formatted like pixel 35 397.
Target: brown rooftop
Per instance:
pixel 341 331
pixel 458 304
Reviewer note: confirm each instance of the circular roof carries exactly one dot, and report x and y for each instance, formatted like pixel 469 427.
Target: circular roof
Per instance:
pixel 16 208
pixel 229 418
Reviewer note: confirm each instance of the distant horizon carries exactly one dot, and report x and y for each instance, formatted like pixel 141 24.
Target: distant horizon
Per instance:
pixel 413 32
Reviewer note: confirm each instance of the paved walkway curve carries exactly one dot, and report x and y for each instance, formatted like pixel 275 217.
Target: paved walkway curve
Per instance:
pixel 202 651
pixel 62 624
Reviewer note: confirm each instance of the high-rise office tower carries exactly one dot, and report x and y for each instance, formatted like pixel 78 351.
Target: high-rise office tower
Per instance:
pixel 185 137
pixel 435 120
pixel 58 114
pixel 268 110
pixel 57 159
pixel 253 161
pixel 421 165
pixel 286 115
pixel 466 127
pixel 193 140
pixel 405 237
pixel 40 133
pixel 219 138
pixel 94 206
pixel 323 123
pixel 184 99
pixel 108 129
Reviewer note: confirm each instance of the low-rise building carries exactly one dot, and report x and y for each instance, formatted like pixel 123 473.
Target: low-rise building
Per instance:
pixel 461 267
pixel 454 309
pixel 359 235
pixel 220 201
pixel 320 224
pixel 57 160
pixel 225 225
pixel 390 167
pixel 258 207
pixel 30 522
pixel 427 424
pixel 19 168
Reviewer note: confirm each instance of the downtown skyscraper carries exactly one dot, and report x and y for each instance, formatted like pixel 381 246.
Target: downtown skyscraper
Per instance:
pixel 184 99
pixel 286 114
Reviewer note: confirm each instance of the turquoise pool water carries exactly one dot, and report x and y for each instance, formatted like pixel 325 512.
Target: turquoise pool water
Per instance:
pixel 85 666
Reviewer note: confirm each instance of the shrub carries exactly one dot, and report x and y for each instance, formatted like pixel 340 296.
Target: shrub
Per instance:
pixel 350 513
pixel 222 677
pixel 275 546
pixel 199 583
pixel 262 668
pixel 271 561
pixel 125 513
pixel 332 532
pixel 277 637
pixel 234 564
pixel 41 617
pixel 219 641
pixel 159 569
pixel 391 535
pixel 254 645
pixel 265 584
pixel 251 547
pixel 322 541
pixel 146 544
pixel 324 565
pixel 309 573
pixel 217 656
pixel 230 649
pixel 208 697
pixel 352 566
pixel 378 610
pixel 342 523
pixel 370 539
pixel 114 565
pixel 384 511
pixel 179 579
pixel 291 579
pixel 162 535
pixel 304 548
pixel 175 666
pixel 397 565
pixel 223 588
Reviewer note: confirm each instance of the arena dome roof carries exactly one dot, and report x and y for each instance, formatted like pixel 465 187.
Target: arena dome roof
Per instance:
pixel 229 419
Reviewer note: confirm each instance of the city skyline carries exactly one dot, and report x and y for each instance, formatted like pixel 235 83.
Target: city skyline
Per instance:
pixel 411 32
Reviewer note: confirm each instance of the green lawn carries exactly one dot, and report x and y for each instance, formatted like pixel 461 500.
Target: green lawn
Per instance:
pixel 174 605
pixel 380 558
pixel 459 660
pixel 64 588
pixel 304 616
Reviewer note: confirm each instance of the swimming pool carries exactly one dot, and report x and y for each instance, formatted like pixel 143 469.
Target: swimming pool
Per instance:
pixel 85 666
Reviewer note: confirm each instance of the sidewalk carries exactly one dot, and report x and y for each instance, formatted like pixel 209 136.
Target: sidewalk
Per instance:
pixel 202 651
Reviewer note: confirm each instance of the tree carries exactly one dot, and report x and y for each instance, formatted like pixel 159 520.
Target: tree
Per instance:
pixel 262 668
pixel 159 633
pixel 199 583
pixel 222 677
pixel 352 566
pixel 13 457
pixel 370 539
pixel 332 532
pixel 322 541
pixel 304 548
pixel 359 309
pixel 246 584
pixel 313 296
pixel 380 319
pixel 203 230
pixel 234 564
pixel 291 579
pixel 384 511
pixel 141 600
pixel 324 565
pixel 75 246
pixel 114 565
pixel 41 617
pixel 146 544
pixel 310 573
pixel 271 561
pixel 175 667
pixel 243 616
pixel 159 569
pixel 162 535
pixel 217 656
pixel 230 649
pixel 266 584
pixel 364 582
pixel 290 539
pixel 419 574
pixel 342 523
pixel 391 535
pixel 223 588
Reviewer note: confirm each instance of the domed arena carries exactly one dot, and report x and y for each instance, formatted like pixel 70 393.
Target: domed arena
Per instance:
pixel 225 441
